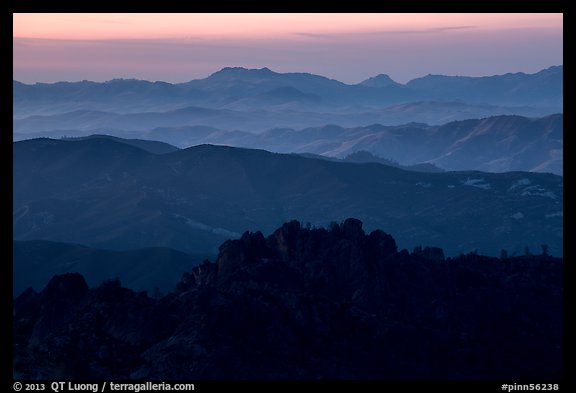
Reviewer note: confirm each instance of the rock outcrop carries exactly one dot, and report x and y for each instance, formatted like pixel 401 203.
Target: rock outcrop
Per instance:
pixel 305 304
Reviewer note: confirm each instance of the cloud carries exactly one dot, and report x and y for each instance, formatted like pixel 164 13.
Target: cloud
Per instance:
pixel 383 32
pixel 453 28
pixel 317 35
pixel 427 31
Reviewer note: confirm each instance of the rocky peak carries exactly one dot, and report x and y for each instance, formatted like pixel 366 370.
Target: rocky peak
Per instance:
pixel 231 258
pixel 337 262
pixel 381 80
pixel 241 72
pixel 352 229
pixel 380 245
pixel 284 239
pixel 68 285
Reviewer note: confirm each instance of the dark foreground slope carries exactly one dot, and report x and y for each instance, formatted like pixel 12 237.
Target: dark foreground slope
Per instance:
pixel 112 195
pixel 305 304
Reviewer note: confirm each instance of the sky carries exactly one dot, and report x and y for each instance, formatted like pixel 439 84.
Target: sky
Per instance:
pixel 53 47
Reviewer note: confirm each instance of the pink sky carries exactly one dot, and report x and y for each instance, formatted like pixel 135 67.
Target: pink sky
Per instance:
pixel 347 47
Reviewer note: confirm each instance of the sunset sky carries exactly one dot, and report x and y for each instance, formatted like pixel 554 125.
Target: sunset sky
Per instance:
pixel 347 47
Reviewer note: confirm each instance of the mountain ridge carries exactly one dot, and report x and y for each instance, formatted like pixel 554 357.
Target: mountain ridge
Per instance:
pixel 493 144
pixel 113 195
pixel 229 87
pixel 265 71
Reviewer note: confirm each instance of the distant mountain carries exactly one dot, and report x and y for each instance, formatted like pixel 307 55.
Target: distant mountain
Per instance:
pixel 381 80
pixel 112 195
pixel 247 121
pixel 86 120
pixel 240 89
pixel 236 82
pixel 150 269
pixel 124 95
pixel 441 112
pixel 249 117
pixel 541 88
pixel 305 304
pixel 495 144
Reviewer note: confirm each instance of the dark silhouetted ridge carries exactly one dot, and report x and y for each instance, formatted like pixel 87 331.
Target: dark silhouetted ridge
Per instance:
pixel 306 303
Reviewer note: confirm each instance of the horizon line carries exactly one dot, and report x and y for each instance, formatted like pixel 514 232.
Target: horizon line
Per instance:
pixel 279 73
